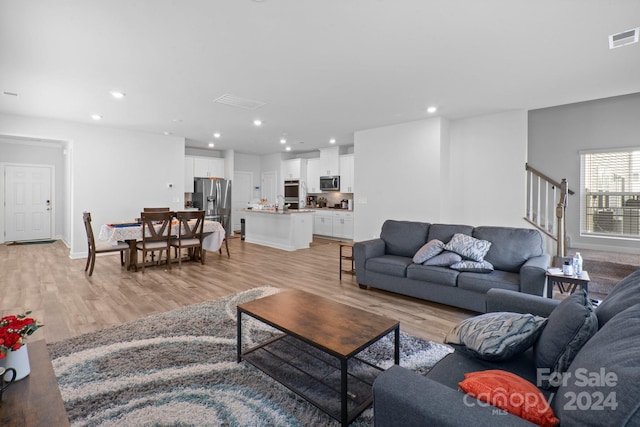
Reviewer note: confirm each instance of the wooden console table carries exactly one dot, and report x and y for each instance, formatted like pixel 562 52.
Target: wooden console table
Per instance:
pixel 34 400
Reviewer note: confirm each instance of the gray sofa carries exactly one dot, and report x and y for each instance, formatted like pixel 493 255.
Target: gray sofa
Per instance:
pixel 607 365
pixel 516 254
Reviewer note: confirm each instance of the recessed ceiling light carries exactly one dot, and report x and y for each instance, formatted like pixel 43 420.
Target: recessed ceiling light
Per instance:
pixel 166 132
pixel 216 135
pixel 96 117
pixel 332 141
pixel 211 145
pixel 177 120
pixel 432 110
pixel 257 122
pixel 283 141
pixel 288 148
pixel 117 94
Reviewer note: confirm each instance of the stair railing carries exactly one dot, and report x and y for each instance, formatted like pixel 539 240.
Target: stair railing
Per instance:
pixel 546 204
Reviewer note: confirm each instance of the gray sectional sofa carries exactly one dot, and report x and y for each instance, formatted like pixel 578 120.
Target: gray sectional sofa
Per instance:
pixel 516 254
pixel 599 383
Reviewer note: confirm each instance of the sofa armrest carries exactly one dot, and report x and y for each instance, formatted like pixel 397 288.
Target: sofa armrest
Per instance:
pixel 517 302
pixel 362 251
pixel 402 397
pixel 533 275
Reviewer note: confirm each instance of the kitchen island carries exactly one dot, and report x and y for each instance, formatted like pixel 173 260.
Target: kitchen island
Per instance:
pixel 287 230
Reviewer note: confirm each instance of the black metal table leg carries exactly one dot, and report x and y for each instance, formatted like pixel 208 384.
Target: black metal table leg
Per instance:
pixel 344 414
pixel 239 327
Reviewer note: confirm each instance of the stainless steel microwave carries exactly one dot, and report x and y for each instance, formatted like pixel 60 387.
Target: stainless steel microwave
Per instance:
pixel 329 183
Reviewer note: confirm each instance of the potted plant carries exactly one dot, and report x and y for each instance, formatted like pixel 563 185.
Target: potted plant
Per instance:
pixel 13 350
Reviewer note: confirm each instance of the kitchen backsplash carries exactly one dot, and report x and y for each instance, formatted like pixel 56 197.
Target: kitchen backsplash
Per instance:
pixel 333 197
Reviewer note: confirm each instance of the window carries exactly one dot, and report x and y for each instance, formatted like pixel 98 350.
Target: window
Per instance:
pixel 610 202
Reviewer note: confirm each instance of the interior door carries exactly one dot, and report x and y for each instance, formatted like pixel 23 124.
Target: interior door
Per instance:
pixel 269 189
pixel 27 203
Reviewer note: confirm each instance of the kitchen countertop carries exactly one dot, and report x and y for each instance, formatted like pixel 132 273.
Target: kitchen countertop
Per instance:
pixel 279 212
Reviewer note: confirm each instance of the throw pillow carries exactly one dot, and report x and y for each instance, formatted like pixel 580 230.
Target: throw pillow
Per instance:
pixel 473 266
pixel 444 259
pixel 496 336
pixel 571 324
pixel 510 393
pixel 624 294
pixel 468 247
pixel 428 251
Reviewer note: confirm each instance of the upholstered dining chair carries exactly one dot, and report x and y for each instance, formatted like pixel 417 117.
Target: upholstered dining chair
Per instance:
pixel 121 247
pixel 190 228
pixel 156 235
pixel 225 220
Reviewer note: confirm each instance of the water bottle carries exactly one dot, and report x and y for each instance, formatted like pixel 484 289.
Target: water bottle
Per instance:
pixel 577 264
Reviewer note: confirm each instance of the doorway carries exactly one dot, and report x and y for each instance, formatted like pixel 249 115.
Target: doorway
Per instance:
pixel 269 189
pixel 28 195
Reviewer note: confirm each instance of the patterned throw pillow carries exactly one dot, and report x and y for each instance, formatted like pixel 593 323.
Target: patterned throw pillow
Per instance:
pixel 510 393
pixel 428 251
pixel 496 336
pixel 473 266
pixel 444 259
pixel 468 247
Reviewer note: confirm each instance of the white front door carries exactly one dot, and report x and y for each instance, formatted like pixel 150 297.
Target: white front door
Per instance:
pixel 28 203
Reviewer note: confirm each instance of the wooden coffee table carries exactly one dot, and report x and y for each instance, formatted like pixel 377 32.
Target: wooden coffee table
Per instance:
pixel 327 333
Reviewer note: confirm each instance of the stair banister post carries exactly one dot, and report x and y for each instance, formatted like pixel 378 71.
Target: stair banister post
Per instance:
pixel 560 210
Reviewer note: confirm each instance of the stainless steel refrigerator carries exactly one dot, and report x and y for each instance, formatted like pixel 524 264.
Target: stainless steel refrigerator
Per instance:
pixel 212 195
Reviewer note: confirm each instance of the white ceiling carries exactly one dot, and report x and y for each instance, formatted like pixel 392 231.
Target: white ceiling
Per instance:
pixel 323 68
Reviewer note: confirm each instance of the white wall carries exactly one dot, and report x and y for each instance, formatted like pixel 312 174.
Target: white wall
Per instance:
pixel 467 171
pixel 487 170
pixel 114 173
pixel 556 136
pixel 397 175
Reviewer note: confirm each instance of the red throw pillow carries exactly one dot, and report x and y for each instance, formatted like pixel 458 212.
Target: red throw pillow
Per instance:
pixel 511 393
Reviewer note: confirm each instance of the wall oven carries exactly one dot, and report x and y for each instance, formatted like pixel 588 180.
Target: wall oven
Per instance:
pixel 292 193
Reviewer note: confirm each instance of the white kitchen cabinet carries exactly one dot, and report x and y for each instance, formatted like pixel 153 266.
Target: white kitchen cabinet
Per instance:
pixel 342 225
pixel 188 175
pixel 313 176
pixel 208 167
pixel 330 161
pixel 291 169
pixel 346 173
pixel 323 223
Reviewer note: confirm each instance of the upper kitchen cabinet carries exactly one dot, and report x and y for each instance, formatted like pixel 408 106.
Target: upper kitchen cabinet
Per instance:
pixel 208 167
pixel 313 176
pixel 329 161
pixel 294 169
pixel 346 173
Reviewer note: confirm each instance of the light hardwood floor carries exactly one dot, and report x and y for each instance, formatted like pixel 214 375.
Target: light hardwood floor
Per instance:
pixel 43 278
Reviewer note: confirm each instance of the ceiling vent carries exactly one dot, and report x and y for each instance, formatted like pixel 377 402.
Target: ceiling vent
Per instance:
pixel 236 101
pixel 624 38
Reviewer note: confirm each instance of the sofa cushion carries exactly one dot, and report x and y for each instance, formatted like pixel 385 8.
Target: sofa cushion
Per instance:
pixel 510 393
pixel 510 247
pixel 428 251
pixel 403 238
pixel 571 324
pixel 389 264
pixel 473 266
pixel 468 247
pixel 432 274
pixel 600 387
pixel 481 282
pixel 496 336
pixel 623 295
pixel 444 259
pixel 445 232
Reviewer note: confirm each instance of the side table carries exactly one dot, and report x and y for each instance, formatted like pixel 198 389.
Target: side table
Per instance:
pixel 555 277
pixel 35 400
pixel 346 254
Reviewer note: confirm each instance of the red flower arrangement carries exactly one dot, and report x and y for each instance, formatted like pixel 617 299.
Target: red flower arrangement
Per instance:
pixel 13 330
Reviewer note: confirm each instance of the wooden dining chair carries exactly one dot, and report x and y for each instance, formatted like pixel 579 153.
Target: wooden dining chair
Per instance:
pixel 225 220
pixel 155 209
pixel 190 229
pixel 121 247
pixel 156 236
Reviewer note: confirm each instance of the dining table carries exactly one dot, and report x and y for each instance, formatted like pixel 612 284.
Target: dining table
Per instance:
pixel 131 232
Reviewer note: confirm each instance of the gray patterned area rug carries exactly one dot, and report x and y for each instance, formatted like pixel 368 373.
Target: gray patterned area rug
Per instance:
pixel 179 369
